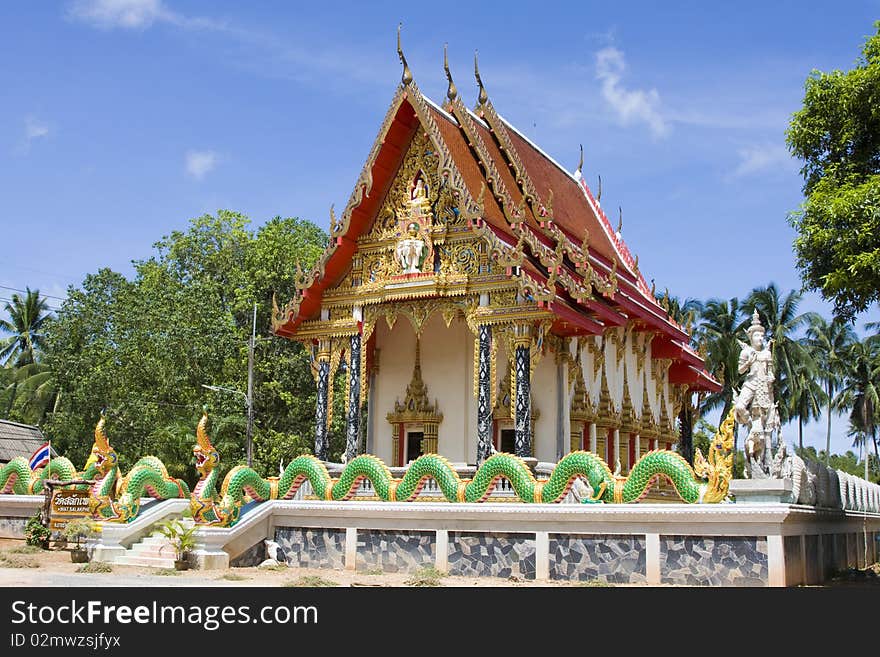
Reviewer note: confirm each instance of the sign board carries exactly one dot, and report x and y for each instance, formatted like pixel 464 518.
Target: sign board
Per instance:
pixel 67 505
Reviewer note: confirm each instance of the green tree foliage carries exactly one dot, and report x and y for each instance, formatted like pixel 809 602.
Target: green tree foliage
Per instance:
pixel 143 348
pixel 837 136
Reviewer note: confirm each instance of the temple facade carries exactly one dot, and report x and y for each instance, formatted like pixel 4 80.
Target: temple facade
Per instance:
pixel 480 299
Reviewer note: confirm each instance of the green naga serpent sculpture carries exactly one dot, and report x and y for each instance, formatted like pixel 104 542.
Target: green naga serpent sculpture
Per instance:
pixel 242 482
pixel 17 478
pixel 119 501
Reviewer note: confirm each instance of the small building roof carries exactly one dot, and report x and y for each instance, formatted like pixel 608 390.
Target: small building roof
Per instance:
pixel 18 440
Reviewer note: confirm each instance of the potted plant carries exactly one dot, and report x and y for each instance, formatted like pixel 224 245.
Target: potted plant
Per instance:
pixel 76 530
pixel 36 533
pixel 181 538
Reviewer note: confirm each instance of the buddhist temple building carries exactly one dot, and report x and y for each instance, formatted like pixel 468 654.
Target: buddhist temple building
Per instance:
pixel 480 298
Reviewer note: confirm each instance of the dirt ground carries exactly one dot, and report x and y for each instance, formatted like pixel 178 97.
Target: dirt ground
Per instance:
pixel 23 566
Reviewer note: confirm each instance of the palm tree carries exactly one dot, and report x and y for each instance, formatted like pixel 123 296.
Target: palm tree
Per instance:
pixel 828 343
pixel 806 396
pixel 25 338
pixel 685 314
pixel 720 322
pixel 27 317
pixel 782 321
pixel 860 391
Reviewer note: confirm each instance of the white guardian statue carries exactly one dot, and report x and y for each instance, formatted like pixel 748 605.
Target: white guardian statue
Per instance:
pixel 754 405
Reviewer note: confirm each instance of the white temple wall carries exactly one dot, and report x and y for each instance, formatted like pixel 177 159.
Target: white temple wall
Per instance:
pixel 447 370
pixel 592 378
pixel 544 398
pixel 653 388
pixel 614 368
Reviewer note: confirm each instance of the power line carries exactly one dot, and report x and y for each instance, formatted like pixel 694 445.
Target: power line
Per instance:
pixel 54 310
pixel 48 296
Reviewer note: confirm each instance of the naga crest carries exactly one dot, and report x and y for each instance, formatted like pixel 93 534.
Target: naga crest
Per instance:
pixel 719 468
pixel 103 456
pixel 207 458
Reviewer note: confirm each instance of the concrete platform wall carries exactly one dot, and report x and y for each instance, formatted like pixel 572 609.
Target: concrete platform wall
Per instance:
pixel 717 545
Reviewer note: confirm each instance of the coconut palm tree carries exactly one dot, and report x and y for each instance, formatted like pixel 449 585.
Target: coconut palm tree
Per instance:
pixel 24 328
pixel 720 323
pixel 860 391
pixel 28 316
pixel 805 394
pixel 781 320
pixel 685 314
pixel 828 344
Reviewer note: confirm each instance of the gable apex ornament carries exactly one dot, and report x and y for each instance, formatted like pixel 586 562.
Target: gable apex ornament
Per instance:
pixel 407 76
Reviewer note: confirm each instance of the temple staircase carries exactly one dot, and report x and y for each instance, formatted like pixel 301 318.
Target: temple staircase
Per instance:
pixel 153 551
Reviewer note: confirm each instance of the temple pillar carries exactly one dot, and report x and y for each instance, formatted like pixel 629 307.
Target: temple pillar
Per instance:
pixel 322 438
pixel 353 421
pixel 636 441
pixel 523 420
pixel 484 394
pixel 615 450
pixel 593 438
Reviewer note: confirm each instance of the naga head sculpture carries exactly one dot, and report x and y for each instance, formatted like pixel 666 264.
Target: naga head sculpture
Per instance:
pixel 718 469
pixel 103 456
pixel 207 458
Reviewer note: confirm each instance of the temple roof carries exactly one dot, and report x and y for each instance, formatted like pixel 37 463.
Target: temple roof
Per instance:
pixel 520 193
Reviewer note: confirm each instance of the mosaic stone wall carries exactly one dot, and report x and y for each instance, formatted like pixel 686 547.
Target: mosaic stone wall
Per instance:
pixel 395 552
pixel 12 527
pixel 312 548
pixel 607 558
pixel 482 554
pixel 713 561
pixel 253 556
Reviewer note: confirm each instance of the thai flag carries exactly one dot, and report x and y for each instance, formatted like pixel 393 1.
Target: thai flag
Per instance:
pixel 40 457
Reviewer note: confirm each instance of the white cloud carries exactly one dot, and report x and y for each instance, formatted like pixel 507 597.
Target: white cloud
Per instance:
pixel 35 129
pixel 201 163
pixel 125 14
pixel 631 105
pixel 760 158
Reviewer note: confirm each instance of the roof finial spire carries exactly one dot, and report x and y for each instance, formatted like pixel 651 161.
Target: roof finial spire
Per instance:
pixel 580 168
pixel 483 97
pixel 599 194
pixel 407 77
pixel 620 220
pixel 451 91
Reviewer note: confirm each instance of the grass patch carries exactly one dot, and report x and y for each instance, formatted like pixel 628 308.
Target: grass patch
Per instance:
pixel 310 581
pixel 166 572
pixel 15 561
pixel 374 571
pixel 427 576
pixel 233 577
pixel 95 567
pixel 26 549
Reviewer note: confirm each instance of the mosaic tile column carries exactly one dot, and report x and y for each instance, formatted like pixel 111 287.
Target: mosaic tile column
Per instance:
pixel 353 421
pixel 523 422
pixel 322 438
pixel 484 396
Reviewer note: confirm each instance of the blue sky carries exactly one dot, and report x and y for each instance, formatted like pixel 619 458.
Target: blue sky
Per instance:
pixel 122 119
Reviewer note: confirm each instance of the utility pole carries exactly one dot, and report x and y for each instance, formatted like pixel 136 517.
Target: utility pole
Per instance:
pixel 249 397
pixel 250 392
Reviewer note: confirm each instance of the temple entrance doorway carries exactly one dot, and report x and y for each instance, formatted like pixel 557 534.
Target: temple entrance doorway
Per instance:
pixel 413 445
